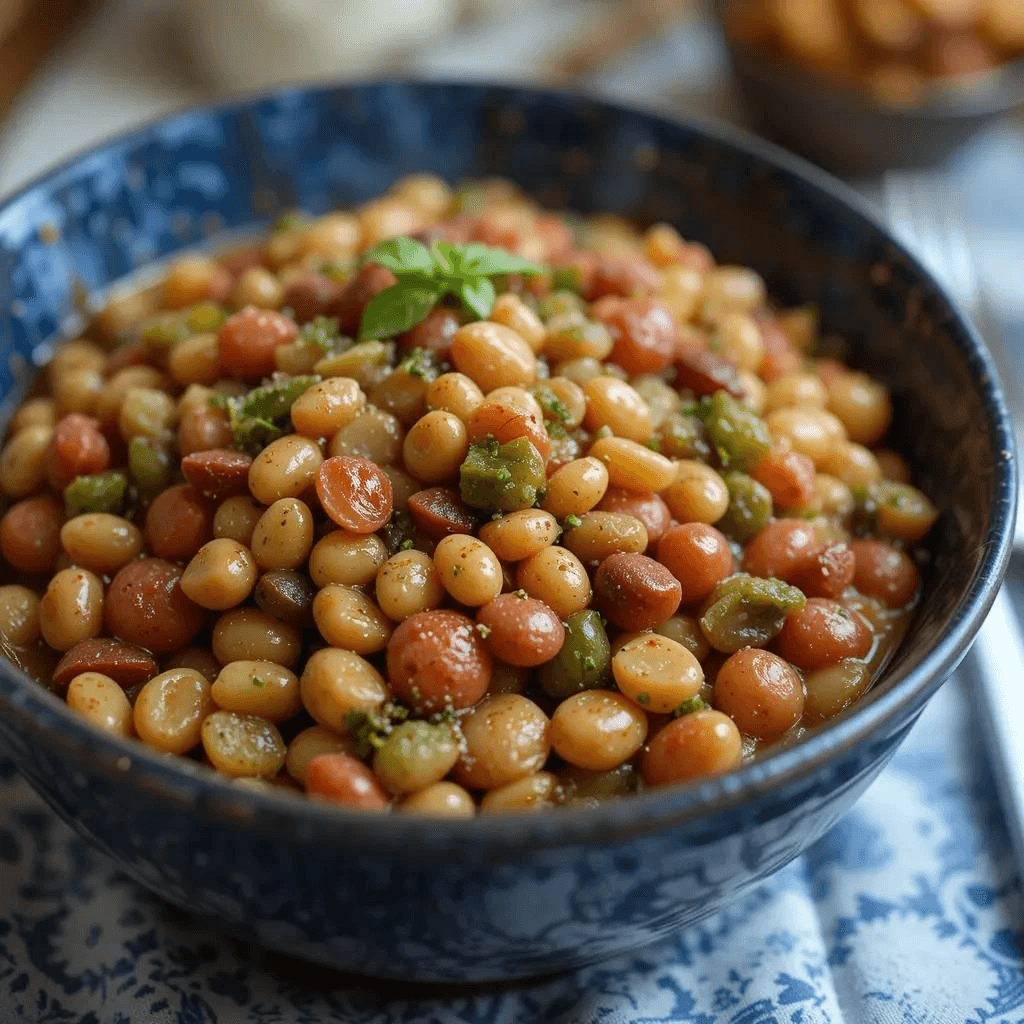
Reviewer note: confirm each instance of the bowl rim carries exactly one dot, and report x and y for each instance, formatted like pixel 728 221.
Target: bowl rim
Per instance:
pixel 190 786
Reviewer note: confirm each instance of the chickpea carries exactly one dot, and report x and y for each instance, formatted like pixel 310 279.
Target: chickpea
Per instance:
pixel 220 575
pixel 740 341
pixel 455 393
pixel 556 576
pixel 510 310
pixel 200 659
pixel 407 583
pixel 146 412
pixel 572 401
pixel 685 630
pixel 444 799
pixel 336 682
pixel 283 535
pixel 576 488
pixel 323 409
pixel 572 336
pixel 349 559
pixel 111 398
pixel 101 542
pixel 833 497
pixel 19 615
pixel 681 290
pixel 633 466
pixel 521 534
pixel 597 729
pixel 334 235
pixel 248 634
pixel 493 355
pixel 698 494
pixel 468 569
pixel 313 742
pixel 71 609
pixel 22 463
pixel 426 192
pixel 733 289
pixel 373 434
pixel 506 739
pixel 579 371
pixel 236 519
pixel 99 699
pixel 435 447
pixel 347 618
pixel 170 709
pixel 286 468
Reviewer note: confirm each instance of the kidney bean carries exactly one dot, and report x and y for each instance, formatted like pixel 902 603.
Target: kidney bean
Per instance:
pixel 349 303
pixel 30 534
pixel 433 333
pixel 635 592
pixel 440 512
pixel 829 572
pixel 646 506
pixel 204 429
pixel 308 296
pixel 146 606
pixel 355 493
pixel 705 372
pixel 217 474
pixel 126 664
pixel 644 333
pixel 437 658
pixel 247 340
pixel 789 476
pixel 694 746
pixel 761 692
pixel 782 548
pixel 885 572
pixel 522 631
pixel 625 276
pixel 342 779
pixel 822 633
pixel 77 448
pixel 179 523
pixel 698 556
pixel 780 355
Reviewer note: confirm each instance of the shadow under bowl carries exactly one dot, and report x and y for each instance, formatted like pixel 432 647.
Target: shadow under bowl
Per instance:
pixel 502 897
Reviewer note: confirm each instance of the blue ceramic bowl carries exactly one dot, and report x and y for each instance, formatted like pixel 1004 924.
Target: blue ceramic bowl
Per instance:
pixel 512 896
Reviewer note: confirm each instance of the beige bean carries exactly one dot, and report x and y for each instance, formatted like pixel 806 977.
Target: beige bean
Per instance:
pixel 402 394
pixel 347 618
pixel 573 336
pixel 614 404
pixel 733 289
pixel 187 281
pixel 248 634
pixel 283 535
pixel 200 659
pixel 19 614
pixel 196 360
pixel 403 486
pixel 23 463
pixel 443 799
pixel 257 287
pixel 556 577
pixel 698 494
pixel 407 583
pixel 220 575
pixel 572 402
pixel 576 488
pixel 681 290
pixel 657 673
pixel 812 432
pixel 435 446
pixel 336 682
pixel 236 518
pixel 739 340
pixel 852 463
pixel 506 738
pixel 313 742
pixel 242 746
pixel 510 310
pixel 493 355
pixel 333 235
pixel 71 609
pixel 633 466
pixel 100 700
pixel 601 534
pixel 111 398
pixel 351 559
pixel 170 709
pixel 373 434
pixel 685 630
pixel 597 729
pixel 534 793
pixel 427 192
pixel 521 534
pixel 34 412
pixel 323 409
pixel 468 569
pixel 455 393
pixel 101 542
pixel 863 406
pixel 795 389
pixel 661 399
pixel 286 468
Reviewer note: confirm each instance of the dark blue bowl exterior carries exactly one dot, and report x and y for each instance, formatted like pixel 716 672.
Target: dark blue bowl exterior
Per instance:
pixel 504 897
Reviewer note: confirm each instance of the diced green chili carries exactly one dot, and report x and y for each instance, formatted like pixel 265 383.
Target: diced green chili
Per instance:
pixel 100 492
pixel 583 663
pixel 747 611
pixel 738 434
pixel 683 437
pixel 750 507
pixel 502 477
pixel 149 465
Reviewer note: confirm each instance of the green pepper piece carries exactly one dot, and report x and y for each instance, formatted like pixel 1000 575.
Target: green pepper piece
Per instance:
pixel 750 507
pixel 748 611
pixel 738 434
pixel 149 466
pixel 560 302
pixel 502 477
pixel 399 758
pixel 252 416
pixel 205 318
pixel 583 663
pixel 100 492
pixel 683 437
pixel 355 361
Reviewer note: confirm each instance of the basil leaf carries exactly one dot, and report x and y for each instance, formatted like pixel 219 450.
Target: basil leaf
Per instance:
pixel 401 254
pixel 479 296
pixel 446 256
pixel 496 261
pixel 398 308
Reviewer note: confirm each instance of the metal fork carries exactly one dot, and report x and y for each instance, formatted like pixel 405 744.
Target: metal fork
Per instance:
pixel 923 214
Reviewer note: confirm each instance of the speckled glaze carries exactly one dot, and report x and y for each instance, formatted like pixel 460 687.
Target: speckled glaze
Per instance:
pixel 504 897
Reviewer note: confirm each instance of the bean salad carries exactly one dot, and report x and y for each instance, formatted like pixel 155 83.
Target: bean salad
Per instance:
pixel 451 505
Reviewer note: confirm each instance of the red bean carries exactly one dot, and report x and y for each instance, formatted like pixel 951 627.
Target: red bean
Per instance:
pixel 698 556
pixel 433 333
pixel 783 548
pixel 645 334
pixel 438 658
pixel 829 573
pixel 789 477
pixel 780 356
pixel 308 296
pixel 697 745
pixel 761 692
pixel 349 303
pixel 625 276
pixel 705 372
pixel 522 631
pixel 342 779
pixel 30 534
pixel 77 448
pixel 440 511
pixel 217 474
pixel 646 506
pixel 247 341
pixel 635 592
pixel 355 492
pixel 885 572
pixel 145 605
pixel 126 664
pixel 822 633
pixel 179 523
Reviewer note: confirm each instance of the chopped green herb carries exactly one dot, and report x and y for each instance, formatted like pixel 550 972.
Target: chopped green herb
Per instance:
pixel 553 408
pixel 258 683
pixel 484 631
pixel 406 544
pixel 601 432
pixel 257 417
pixel 456 570
pixel 321 334
pixel 573 521
pixel 643 698
pixel 654 443
pixel 101 492
pixel 689 706
pixel 420 363
pixel 371 728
